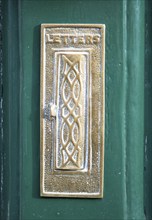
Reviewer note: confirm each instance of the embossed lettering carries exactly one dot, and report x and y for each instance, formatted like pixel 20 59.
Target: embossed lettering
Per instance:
pixel 96 39
pixel 80 40
pixel 89 40
pixel 73 39
pixel 56 39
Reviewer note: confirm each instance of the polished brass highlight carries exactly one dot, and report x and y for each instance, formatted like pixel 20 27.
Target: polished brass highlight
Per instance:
pixel 70 107
pixel 72 110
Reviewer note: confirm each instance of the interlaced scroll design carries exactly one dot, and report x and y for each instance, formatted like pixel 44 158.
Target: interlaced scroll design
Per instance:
pixel 71 111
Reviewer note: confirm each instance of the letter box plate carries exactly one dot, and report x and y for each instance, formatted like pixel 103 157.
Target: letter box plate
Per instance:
pixel 72 110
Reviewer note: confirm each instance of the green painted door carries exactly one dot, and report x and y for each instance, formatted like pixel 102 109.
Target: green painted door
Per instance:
pixel 124 109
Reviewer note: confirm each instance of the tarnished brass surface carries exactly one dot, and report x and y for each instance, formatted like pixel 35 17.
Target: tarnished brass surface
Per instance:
pixel 72 110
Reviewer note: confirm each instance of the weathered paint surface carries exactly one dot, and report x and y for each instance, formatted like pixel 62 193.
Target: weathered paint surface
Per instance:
pixel 148 110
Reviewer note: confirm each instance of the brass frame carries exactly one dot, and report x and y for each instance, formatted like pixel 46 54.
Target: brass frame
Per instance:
pixel 63 193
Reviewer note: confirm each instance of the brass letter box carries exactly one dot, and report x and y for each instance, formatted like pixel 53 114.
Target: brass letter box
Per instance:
pixel 72 110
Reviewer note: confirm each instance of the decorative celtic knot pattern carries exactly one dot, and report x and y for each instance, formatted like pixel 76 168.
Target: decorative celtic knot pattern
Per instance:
pixel 70 112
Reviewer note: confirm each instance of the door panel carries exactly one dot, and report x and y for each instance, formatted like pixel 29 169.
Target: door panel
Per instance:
pixel 123 178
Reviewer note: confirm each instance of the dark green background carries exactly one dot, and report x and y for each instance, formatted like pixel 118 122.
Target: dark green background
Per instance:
pixel 124 133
